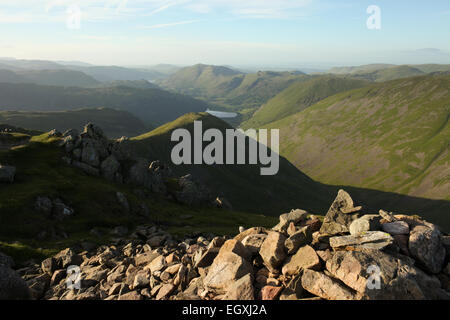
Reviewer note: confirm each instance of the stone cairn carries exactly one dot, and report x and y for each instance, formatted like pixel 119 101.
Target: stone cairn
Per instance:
pixel 348 256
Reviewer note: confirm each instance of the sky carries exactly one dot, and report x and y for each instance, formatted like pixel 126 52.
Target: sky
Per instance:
pixel 281 33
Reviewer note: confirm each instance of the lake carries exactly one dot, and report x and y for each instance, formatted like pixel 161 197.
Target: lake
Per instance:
pixel 221 114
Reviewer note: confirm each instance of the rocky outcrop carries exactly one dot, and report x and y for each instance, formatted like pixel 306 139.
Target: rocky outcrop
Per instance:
pixel 258 263
pixel 91 152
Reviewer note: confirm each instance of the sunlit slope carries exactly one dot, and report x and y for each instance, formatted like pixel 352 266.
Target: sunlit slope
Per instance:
pixel 299 96
pixel 391 136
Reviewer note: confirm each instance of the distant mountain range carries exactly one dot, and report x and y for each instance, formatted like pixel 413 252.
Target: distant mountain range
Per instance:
pixel 115 123
pixel 229 87
pixel 152 106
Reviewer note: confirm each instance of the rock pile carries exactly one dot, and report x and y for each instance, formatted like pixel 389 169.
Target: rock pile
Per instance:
pixel 351 255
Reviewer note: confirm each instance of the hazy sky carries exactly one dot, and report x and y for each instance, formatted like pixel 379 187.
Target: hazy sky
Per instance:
pixel 313 33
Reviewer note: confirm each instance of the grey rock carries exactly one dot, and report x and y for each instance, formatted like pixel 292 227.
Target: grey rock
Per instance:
pixel 294 216
pixel 272 250
pixel 61 210
pixel 426 246
pixel 43 205
pixel 325 287
pixel 7 173
pixel 298 239
pixel 90 170
pixel 368 222
pixel 90 156
pixel 193 191
pixel 253 242
pixel 109 167
pixel 12 286
pixel 368 240
pixel 389 217
pixel 378 275
pixel 340 215
pixel 6 261
pixel 396 228
pixel 242 289
pixel 123 201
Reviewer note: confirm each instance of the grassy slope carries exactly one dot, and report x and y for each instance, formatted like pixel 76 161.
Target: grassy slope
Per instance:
pixel 152 106
pixel 41 172
pixel 299 96
pixel 391 136
pixel 242 185
pixel 386 72
pixel 229 88
pixel 115 123
pixel 392 73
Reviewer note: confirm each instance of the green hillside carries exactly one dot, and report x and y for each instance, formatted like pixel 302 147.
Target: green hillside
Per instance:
pixel 391 136
pixel 242 185
pixel 228 87
pixel 152 106
pixel 392 73
pixel 299 96
pixel 41 172
pixel 360 69
pixel 115 123
pixel 429 68
pixel 386 72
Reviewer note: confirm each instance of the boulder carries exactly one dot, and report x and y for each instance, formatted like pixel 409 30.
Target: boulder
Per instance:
pixel 132 296
pixel 207 258
pixel 294 289
pixel 227 268
pixel 250 231
pixel 426 246
pixel 272 250
pixel 193 191
pixel 368 240
pixel 86 168
pixel 61 210
pixel 305 258
pixel 6 261
pixel 298 239
pixel 325 287
pixel 122 199
pixel 378 275
pixel 270 292
pixel 43 205
pixel 242 289
pixel 66 258
pixel 12 286
pixel 109 167
pixel 340 215
pixel 254 242
pixel 368 222
pixel 396 228
pixel 387 216
pixel 294 216
pixel 7 173
pixel 165 291
pixel 90 156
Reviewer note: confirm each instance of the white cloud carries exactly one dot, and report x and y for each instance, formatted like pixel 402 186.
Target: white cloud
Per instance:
pixel 164 25
pixel 251 8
